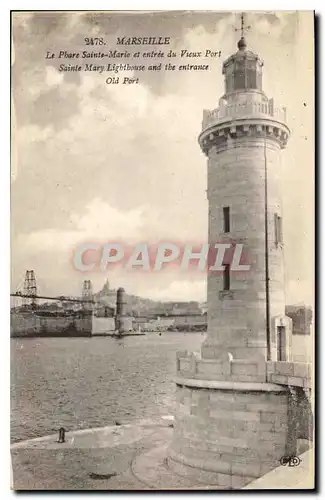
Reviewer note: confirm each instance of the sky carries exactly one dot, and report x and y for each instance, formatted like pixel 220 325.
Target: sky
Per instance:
pixel 95 162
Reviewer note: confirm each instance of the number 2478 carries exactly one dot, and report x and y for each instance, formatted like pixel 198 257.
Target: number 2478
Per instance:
pixel 94 41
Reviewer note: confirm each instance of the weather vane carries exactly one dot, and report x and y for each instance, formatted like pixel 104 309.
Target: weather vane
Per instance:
pixel 242 27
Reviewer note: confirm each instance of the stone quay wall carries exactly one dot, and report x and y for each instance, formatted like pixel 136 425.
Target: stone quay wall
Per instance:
pixel 31 325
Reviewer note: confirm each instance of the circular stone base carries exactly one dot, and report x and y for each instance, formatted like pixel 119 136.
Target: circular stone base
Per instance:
pixel 228 434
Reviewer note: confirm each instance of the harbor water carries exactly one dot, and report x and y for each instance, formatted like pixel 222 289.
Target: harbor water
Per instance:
pixel 77 383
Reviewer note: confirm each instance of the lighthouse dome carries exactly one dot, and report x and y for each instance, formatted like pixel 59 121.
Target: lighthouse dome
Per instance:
pixel 243 70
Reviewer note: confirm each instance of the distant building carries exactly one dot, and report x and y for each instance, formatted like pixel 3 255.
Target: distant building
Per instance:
pixel 302 317
pixel 105 301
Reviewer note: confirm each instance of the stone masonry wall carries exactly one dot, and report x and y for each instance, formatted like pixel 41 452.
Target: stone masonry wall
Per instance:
pixel 236 178
pixel 228 437
pixel 29 324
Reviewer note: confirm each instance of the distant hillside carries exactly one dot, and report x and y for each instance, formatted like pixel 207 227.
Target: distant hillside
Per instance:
pixel 139 306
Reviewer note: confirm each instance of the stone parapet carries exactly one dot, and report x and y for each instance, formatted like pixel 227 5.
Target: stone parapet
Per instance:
pixel 191 365
pixel 243 109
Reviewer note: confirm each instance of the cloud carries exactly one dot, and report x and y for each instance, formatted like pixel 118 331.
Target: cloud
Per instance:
pixel 33 134
pixel 300 291
pixel 100 222
pixel 130 147
pixel 52 249
pixel 53 77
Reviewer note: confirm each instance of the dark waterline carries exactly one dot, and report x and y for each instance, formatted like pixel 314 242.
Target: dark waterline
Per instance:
pixel 78 383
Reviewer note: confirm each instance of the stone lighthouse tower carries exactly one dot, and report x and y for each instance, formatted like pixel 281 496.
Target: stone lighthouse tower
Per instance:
pixel 231 424
pixel 120 317
pixel 243 139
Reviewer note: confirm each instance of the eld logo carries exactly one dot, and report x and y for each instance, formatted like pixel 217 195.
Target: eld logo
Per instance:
pixel 291 461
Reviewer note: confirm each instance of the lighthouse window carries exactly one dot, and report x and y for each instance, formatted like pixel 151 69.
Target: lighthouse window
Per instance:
pixel 226 277
pixel 259 80
pixel 226 219
pixel 251 76
pixel 229 79
pixel 278 229
pixel 228 83
pixel 239 75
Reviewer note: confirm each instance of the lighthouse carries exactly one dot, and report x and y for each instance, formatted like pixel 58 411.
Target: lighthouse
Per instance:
pixel 242 140
pixel 120 318
pixel 231 423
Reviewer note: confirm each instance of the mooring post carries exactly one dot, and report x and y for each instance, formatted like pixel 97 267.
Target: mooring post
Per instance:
pixel 61 435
